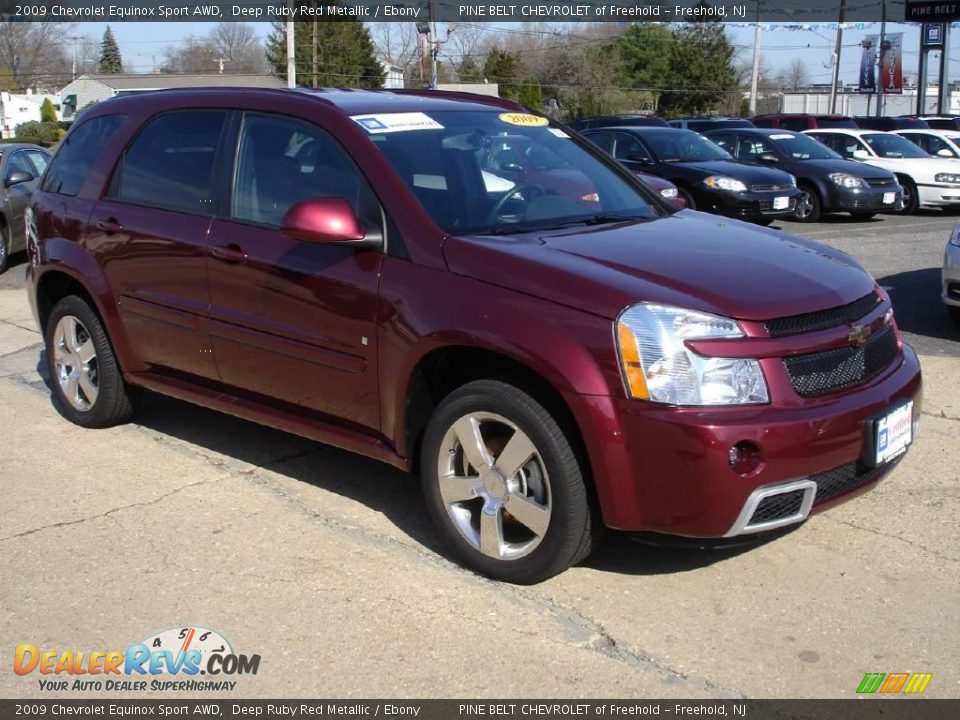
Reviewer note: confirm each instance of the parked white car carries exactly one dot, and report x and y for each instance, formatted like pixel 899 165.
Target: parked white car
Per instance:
pixel 942 143
pixel 927 181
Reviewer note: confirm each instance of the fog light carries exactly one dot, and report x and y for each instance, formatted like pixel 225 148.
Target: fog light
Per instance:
pixel 745 457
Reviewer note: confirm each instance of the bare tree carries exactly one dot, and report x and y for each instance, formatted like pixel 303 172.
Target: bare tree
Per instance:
pixel 31 55
pixel 397 42
pixel 238 42
pixel 795 76
pixel 465 49
pixel 193 55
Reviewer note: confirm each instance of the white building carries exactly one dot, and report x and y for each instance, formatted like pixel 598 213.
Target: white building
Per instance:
pixel 88 89
pixel 852 103
pixel 393 79
pixel 18 109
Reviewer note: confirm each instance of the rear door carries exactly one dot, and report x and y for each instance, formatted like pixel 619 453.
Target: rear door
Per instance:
pixel 291 320
pixel 150 233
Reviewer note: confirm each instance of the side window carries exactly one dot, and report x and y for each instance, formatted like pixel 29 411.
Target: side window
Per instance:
pixel 935 145
pixel 627 147
pixel 39 160
pixel 77 153
pixel 170 163
pixel 18 162
pixel 600 139
pixel 281 162
pixel 751 147
pixel 727 142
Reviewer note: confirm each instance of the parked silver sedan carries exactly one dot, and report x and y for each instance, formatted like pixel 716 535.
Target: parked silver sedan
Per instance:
pixel 21 166
pixel 951 275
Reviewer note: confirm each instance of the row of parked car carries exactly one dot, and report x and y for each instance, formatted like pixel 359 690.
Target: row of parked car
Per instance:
pixel 800 166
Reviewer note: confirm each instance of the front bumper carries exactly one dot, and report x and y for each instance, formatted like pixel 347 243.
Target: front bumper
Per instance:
pixel 667 470
pixel 863 199
pixel 747 205
pixel 938 194
pixel 951 275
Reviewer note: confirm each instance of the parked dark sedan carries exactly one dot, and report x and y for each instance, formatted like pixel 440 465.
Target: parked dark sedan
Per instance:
pixel 705 174
pixel 889 124
pixel 20 166
pixel 703 124
pixel 827 182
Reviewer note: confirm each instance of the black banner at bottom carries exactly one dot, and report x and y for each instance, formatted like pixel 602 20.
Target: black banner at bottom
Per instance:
pixel 853 709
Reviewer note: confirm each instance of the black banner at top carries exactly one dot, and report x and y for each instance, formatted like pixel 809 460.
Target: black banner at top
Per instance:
pixel 666 11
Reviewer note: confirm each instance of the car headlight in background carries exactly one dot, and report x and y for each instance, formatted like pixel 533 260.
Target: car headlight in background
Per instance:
pixel 657 365
pixel 847 181
pixel 722 182
pixel 947 177
pixel 668 192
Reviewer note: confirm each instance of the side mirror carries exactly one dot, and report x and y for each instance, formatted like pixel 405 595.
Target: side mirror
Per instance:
pixel 323 220
pixel 639 158
pixel 946 152
pixel 768 158
pixel 861 155
pixel 16 178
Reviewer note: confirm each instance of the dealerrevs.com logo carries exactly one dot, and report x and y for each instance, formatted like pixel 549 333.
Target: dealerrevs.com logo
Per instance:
pixel 190 658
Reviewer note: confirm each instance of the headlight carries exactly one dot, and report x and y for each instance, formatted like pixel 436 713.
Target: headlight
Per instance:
pixel 722 182
pixel 847 181
pixel 955 235
pixel 668 192
pixel 658 366
pixel 947 178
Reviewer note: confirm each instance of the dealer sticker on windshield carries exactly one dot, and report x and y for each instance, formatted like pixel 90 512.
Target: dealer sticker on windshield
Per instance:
pixel 396 122
pixel 894 432
pixel 524 119
pixel 781 203
pixel 781 136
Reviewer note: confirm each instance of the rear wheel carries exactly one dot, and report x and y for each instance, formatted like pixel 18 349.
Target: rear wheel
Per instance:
pixel 808 207
pixel 84 372
pixel 910 200
pixel 502 482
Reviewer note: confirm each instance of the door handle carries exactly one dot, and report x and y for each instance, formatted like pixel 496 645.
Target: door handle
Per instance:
pixel 229 254
pixel 109 225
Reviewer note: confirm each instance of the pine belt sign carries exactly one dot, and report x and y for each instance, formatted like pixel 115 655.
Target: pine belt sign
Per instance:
pixel 932 10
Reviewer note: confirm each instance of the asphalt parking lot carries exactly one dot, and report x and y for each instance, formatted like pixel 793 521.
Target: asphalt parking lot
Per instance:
pixel 325 564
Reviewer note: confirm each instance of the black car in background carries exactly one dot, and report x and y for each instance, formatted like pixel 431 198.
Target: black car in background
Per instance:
pixel 705 174
pixel 826 181
pixel 888 124
pixel 21 166
pixel 582 124
pixel 705 124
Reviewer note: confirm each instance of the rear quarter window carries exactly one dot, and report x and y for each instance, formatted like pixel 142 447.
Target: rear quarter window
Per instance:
pixel 79 151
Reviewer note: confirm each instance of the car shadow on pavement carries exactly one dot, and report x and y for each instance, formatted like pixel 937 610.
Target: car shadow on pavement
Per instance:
pixel 919 310
pixel 394 494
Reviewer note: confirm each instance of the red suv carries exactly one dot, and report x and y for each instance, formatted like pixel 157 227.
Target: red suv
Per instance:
pixel 339 264
pixel 803 121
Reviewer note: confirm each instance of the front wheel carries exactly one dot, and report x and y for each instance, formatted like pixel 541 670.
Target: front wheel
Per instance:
pixel 504 485
pixel 808 207
pixel 86 377
pixel 6 244
pixel 910 202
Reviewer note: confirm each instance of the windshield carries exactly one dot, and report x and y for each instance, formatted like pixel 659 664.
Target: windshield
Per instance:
pixel 477 172
pixel 802 147
pixel 893 146
pixel 684 146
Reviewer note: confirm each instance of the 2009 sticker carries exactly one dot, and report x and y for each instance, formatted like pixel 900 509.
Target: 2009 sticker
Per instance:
pixel 524 119
pixel 396 122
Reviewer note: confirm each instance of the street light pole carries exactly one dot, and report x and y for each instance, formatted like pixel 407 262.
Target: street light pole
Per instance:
pixel 755 75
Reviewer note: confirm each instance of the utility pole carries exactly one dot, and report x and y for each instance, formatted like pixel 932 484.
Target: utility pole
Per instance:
pixel 434 45
pixel 291 56
pixel 835 82
pixel 755 76
pixel 221 61
pixel 943 92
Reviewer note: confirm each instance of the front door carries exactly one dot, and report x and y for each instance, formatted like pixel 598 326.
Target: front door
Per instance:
pixel 291 320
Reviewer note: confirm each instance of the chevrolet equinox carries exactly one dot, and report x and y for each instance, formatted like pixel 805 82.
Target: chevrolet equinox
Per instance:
pixel 555 354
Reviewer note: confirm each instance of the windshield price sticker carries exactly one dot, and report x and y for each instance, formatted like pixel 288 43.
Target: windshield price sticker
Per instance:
pixel 523 119
pixel 558 132
pixel 781 136
pixel 396 122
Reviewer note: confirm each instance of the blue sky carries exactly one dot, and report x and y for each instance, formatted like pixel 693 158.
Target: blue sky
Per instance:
pixel 141 42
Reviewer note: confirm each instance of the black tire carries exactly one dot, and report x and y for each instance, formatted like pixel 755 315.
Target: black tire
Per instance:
pixel 808 207
pixel 115 401
pixel 911 202
pixel 573 524
pixel 862 215
pixel 6 243
pixel 954 314
pixel 688 198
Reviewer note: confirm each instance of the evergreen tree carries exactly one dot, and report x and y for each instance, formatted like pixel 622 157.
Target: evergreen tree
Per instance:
pixel 47 112
pixel 329 53
pixel 110 60
pixel 503 67
pixel 644 56
pixel 531 95
pixel 701 69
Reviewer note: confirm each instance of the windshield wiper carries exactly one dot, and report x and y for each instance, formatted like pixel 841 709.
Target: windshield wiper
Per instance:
pixel 598 219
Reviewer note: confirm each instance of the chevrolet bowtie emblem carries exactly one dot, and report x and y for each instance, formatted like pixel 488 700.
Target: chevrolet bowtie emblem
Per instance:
pixel 858 335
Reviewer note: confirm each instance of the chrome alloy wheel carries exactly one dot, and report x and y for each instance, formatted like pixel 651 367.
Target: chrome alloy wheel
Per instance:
pixel 804 205
pixel 494 486
pixel 75 363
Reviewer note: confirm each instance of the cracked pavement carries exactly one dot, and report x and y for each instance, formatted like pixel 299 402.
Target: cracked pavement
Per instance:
pixel 324 562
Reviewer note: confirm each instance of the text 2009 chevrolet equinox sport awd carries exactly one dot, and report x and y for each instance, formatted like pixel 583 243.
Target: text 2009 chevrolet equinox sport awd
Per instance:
pixel 556 352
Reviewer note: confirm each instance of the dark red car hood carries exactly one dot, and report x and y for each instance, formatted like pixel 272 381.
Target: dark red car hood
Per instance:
pixel 689 259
